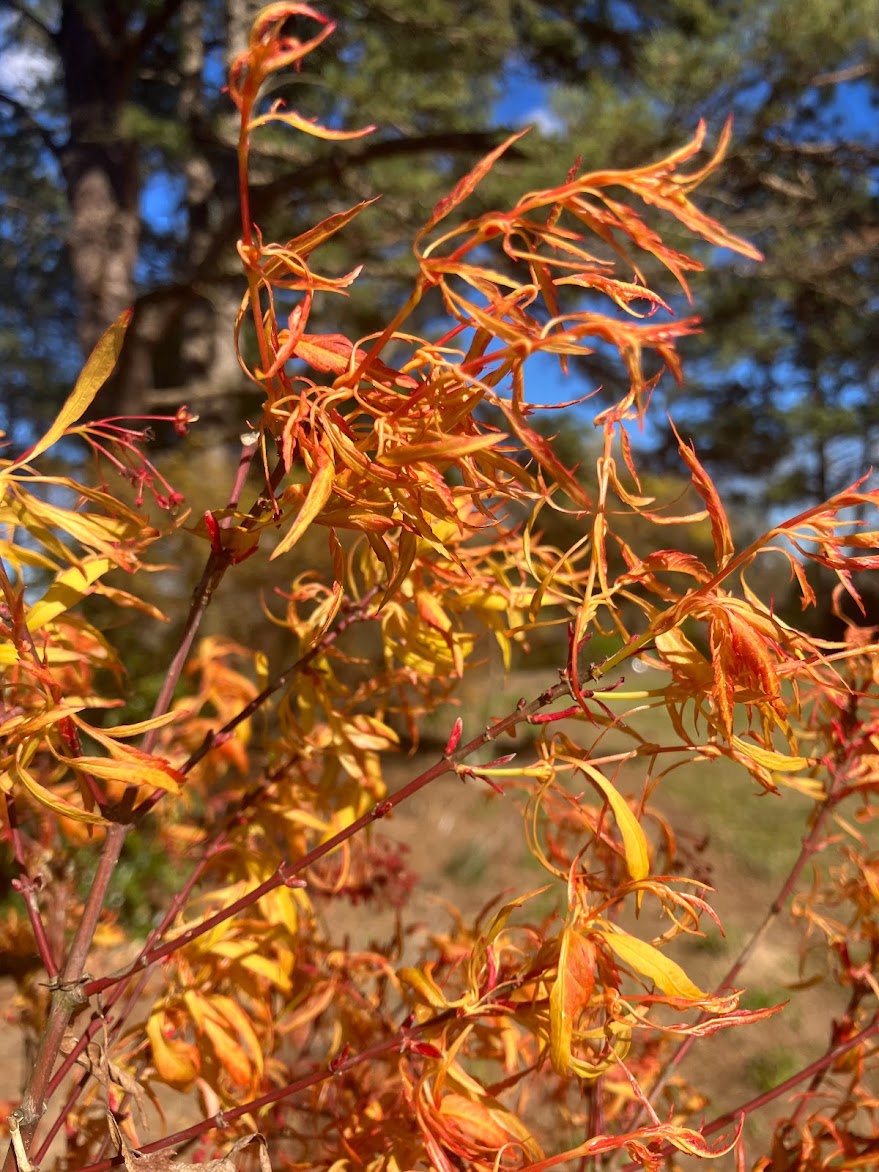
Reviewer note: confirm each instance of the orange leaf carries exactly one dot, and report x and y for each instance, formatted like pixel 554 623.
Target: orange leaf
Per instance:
pixel 703 484
pixel 176 1061
pixel 450 448
pixel 570 995
pixel 469 183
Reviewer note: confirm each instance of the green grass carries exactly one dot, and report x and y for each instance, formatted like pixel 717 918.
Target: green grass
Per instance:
pixel 772 1067
pixel 763 998
pixel 468 866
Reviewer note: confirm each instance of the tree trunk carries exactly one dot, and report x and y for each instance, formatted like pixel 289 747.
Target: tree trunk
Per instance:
pixel 100 168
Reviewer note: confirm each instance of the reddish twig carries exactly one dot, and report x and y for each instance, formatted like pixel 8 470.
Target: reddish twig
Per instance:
pixel 810 846
pixel 289 874
pixel 28 886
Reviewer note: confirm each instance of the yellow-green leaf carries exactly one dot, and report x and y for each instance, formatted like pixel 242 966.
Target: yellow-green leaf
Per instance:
pixel 318 494
pixel 98 368
pixel 653 964
pixel 67 590
pixel 634 839
pixel 47 798
pixel 769 759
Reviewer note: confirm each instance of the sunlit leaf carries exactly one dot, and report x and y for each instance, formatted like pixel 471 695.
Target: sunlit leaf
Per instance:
pixel 46 798
pixel 653 964
pixel 176 1061
pixel 570 995
pixel 634 840
pixel 69 588
pixel 319 492
pixel 768 758
pixel 98 368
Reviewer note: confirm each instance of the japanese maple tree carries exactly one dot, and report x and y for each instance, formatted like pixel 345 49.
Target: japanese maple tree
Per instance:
pixel 525 1039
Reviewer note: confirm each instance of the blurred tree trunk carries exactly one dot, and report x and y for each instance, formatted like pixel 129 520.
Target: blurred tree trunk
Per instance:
pixel 100 164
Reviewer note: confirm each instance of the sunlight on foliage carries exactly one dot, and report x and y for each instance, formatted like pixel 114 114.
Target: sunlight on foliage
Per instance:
pixel 484 1045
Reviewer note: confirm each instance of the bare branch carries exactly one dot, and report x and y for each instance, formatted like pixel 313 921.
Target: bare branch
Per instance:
pixel 155 24
pixel 33 20
pixel 30 121
pixel 850 73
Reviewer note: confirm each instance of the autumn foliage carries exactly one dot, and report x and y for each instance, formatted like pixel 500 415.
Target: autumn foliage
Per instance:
pixel 526 1039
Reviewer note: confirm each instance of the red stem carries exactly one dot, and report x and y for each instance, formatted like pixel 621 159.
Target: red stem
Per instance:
pixel 848 748
pixel 224 1118
pixel 288 873
pixel 27 888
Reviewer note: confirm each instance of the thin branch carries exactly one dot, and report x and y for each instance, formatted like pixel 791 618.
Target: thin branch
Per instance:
pixel 810 846
pixel 114 1024
pixel 289 874
pixel 153 26
pixel 850 73
pixel 68 994
pixel 33 20
pixel 28 887
pixel 295 184
pixel 215 568
pixel 36 126
pixel 390 1045
pixel 827 1060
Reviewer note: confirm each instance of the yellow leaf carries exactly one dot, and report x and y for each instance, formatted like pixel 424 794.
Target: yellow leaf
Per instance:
pixel 138 728
pixel 431 612
pixel 768 758
pixel 51 655
pixel 230 1054
pixel 241 1026
pixel 308 126
pixel 130 770
pixel 634 839
pixel 67 590
pixel 653 964
pixel 318 494
pixel 450 448
pixel 424 986
pixel 570 995
pixel 270 970
pixel 46 798
pixel 94 374
pixel 677 651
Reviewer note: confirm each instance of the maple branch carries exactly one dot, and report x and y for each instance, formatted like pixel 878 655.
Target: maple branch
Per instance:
pixel 335 1069
pixel 68 992
pixel 28 887
pixel 288 874
pixel 819 1065
pixel 215 568
pixel 810 846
